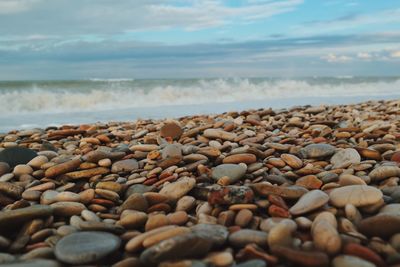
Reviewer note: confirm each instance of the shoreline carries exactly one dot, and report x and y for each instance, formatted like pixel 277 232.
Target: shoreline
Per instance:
pixel 304 185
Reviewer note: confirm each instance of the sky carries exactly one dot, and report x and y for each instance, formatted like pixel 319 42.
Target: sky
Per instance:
pixel 83 39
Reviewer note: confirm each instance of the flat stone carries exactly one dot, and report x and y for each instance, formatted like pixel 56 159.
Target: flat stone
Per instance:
pixel 12 190
pixel 350 261
pixel 384 172
pixel 233 171
pixel 246 236
pixel 86 247
pixel 382 225
pixel 292 161
pixel 391 209
pixel 62 168
pixel 308 202
pixel 67 209
pixel 17 216
pixel 179 247
pixel 178 189
pixel 240 158
pixel 38 161
pixel 219 134
pixel 289 192
pixel 302 258
pixel 358 195
pixel 316 151
pixel 16 155
pixel 87 173
pixel 345 157
pixel 127 165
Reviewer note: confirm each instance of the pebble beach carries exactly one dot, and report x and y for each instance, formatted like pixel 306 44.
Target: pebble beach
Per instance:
pixel 301 186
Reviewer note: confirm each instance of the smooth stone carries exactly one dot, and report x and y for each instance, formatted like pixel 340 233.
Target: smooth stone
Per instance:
pixel 292 161
pixel 38 161
pixel 382 225
pixel 218 234
pixel 87 173
pixel 86 247
pixel 170 155
pixel 178 189
pixel 350 261
pixel 185 203
pixel 391 209
pixel 358 195
pixel 315 151
pixel 384 172
pixel 18 216
pixel 233 171
pixel 171 129
pixel 21 169
pixel 252 263
pixel 126 165
pixel 281 234
pixel 138 188
pixel 219 134
pixel 247 236
pixel 62 168
pixel 133 220
pixel 4 168
pixel 67 209
pixel 17 155
pixel 240 158
pixel 310 201
pixel 345 157
pixel 136 201
pixel 325 234
pixel 179 247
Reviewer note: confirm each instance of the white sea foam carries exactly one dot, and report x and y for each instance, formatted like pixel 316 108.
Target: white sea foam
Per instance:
pixel 45 99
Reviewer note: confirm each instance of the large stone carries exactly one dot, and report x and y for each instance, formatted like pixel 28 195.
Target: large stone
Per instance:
pixel 350 261
pixel 135 201
pixel 233 171
pixel 309 202
pixel 126 165
pixel 358 195
pixel 86 247
pixel 171 129
pixel 316 151
pixel 12 217
pixel 289 192
pixel 170 155
pixel 178 189
pixel 382 225
pixel 219 134
pixel 246 236
pixel 345 157
pixel 4 168
pixel 384 172
pixel 17 155
pixel 218 234
pixel 179 247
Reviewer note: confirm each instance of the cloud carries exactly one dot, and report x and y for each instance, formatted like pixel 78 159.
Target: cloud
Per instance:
pixel 395 54
pixel 16 6
pixel 333 58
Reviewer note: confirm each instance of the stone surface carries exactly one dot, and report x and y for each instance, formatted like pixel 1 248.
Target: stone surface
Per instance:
pixel 316 151
pixel 12 217
pixel 234 171
pixel 345 157
pixel 86 247
pixel 384 172
pixel 178 189
pixel 350 261
pixel 309 202
pixel 246 236
pixel 357 195
pixel 383 225
pixel 126 165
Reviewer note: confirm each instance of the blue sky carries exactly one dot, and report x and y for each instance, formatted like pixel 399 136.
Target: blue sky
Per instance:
pixel 80 39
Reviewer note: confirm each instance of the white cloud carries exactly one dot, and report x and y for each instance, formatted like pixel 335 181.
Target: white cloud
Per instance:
pixel 364 55
pixel 333 58
pixel 16 6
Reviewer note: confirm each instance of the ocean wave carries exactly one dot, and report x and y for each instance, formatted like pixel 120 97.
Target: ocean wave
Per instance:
pixel 136 94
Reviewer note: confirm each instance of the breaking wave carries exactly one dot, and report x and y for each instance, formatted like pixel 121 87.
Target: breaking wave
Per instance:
pixel 111 94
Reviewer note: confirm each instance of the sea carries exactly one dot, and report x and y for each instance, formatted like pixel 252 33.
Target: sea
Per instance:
pixel 31 104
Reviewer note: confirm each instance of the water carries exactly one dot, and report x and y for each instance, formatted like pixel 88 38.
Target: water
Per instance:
pixel 28 104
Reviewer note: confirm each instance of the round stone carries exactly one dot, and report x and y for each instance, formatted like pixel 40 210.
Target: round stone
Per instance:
pixel 345 157
pixel 171 129
pixel 126 165
pixel 384 172
pixel 4 168
pixel 86 247
pixel 17 155
pixel 350 261
pixel 178 189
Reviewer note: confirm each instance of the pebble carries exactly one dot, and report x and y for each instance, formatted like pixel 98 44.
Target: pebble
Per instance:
pixel 345 157
pixel 171 129
pixel 325 234
pixel 4 168
pixel 178 189
pixel 350 261
pixel 24 214
pixel 316 151
pixel 38 161
pixel 246 236
pixel 17 155
pixel 86 247
pixel 135 201
pixel 292 161
pixel 127 165
pixel 357 195
pixel 22 169
pixel 240 158
pixel 384 172
pixel 67 208
pixel 310 201
pixel 219 134
pixel 382 225
pixel 233 171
